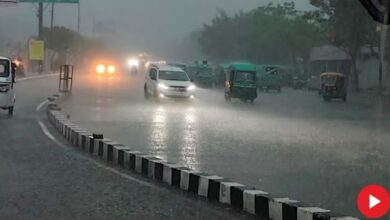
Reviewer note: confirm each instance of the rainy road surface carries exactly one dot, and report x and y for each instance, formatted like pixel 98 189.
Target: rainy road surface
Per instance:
pixel 42 179
pixel 290 144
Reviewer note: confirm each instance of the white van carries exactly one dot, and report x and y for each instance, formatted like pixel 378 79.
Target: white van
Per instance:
pixel 163 81
pixel 7 81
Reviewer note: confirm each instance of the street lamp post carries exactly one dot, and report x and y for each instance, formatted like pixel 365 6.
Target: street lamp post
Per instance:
pixel 40 20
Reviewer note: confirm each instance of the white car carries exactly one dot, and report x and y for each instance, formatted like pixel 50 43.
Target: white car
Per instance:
pixel 7 95
pixel 163 81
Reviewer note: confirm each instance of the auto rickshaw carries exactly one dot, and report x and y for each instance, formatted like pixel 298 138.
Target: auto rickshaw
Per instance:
pixel 241 82
pixel 201 73
pixel 7 81
pixel 298 82
pixel 333 86
pixel 269 78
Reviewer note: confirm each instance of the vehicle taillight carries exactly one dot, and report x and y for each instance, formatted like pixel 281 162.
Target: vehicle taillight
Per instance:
pixel 4 88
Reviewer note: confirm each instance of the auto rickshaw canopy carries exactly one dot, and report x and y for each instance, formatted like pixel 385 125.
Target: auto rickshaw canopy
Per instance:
pixel 243 67
pixel 334 74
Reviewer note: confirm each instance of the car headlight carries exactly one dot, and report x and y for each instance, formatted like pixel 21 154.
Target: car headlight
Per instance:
pixel 111 69
pixel 133 63
pixel 162 86
pixel 100 69
pixel 191 87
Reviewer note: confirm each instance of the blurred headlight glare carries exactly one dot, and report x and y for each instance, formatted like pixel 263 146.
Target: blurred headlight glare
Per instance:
pixel 162 86
pixel 100 69
pixel 133 62
pixel 111 69
pixel 191 87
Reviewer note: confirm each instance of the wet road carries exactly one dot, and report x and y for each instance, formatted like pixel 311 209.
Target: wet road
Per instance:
pixel 290 144
pixel 42 179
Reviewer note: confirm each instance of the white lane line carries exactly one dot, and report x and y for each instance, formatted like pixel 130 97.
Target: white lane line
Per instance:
pixel 100 165
pixel 39 107
pixel 47 132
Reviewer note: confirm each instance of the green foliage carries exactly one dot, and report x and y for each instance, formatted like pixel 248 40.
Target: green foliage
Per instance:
pixel 349 27
pixel 268 34
pixel 66 41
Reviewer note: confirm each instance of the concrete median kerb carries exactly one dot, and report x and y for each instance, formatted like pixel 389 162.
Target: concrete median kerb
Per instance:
pixel 214 188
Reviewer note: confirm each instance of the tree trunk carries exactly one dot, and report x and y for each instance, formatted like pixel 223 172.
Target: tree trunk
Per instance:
pixel 354 75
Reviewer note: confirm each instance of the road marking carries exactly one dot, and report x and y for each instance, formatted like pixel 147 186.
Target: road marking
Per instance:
pixel 100 165
pixel 47 132
pixel 38 109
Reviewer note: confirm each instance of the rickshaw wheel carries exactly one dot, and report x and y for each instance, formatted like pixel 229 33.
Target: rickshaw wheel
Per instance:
pixel 11 111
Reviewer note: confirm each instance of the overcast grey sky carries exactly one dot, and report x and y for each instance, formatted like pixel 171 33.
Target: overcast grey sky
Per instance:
pixel 144 23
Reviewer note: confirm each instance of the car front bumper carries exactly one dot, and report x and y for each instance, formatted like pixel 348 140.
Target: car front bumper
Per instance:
pixel 175 94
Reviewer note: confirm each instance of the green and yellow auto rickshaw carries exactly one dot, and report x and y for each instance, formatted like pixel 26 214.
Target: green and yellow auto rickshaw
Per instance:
pixel 333 86
pixel 202 73
pixel 241 82
pixel 269 78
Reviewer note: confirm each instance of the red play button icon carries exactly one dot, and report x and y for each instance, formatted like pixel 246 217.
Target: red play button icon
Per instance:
pixel 373 201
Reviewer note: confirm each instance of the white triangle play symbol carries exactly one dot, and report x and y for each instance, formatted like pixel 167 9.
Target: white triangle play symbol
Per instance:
pixel 373 201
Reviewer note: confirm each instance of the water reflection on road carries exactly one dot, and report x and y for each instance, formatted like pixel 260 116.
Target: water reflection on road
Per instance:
pixel 175 124
pixel 159 132
pixel 190 137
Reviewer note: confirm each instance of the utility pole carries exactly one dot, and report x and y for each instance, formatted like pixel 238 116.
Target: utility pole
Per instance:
pixel 382 51
pixel 78 17
pixel 40 32
pixel 52 16
pixel 40 20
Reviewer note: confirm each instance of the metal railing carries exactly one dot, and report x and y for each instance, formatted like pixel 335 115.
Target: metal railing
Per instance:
pixel 66 79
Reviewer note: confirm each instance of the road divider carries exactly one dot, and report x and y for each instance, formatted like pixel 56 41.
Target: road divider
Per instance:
pixel 214 188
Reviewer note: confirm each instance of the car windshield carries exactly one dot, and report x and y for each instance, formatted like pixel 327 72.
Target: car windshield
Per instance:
pixel 329 79
pixel 245 77
pixel 4 68
pixel 173 75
